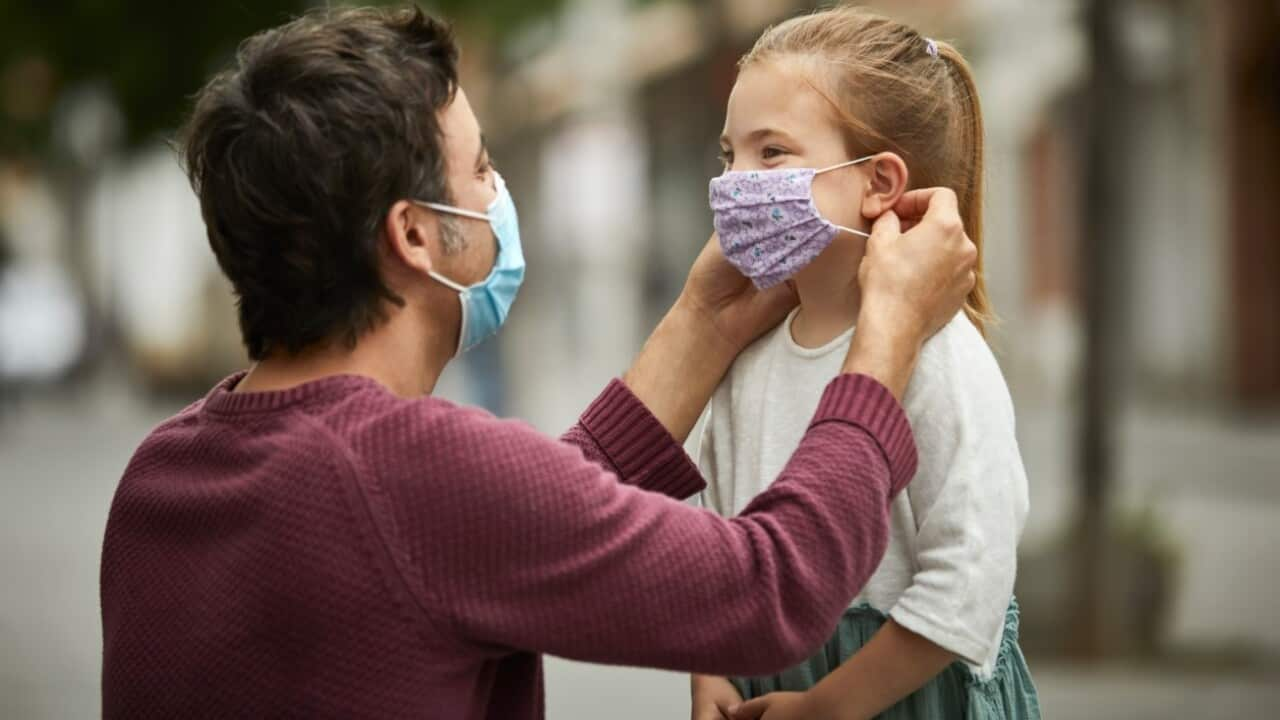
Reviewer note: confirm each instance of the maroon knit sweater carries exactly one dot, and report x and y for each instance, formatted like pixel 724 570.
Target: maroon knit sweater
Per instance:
pixel 333 550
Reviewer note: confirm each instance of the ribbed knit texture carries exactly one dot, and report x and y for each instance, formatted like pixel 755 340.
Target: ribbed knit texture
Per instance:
pixel 333 550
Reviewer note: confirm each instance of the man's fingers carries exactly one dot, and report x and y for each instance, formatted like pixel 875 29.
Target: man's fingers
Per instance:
pixel 784 293
pixel 887 225
pixel 944 213
pixel 916 204
pixel 912 204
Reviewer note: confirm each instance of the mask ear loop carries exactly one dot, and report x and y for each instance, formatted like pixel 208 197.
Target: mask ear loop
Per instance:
pixel 438 207
pixel 852 231
pixel 837 166
pixel 456 287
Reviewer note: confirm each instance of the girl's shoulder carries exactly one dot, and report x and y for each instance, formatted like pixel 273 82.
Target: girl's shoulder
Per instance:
pixel 957 369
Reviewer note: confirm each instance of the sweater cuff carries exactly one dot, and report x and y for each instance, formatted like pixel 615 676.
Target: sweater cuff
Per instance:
pixel 862 401
pixel 643 453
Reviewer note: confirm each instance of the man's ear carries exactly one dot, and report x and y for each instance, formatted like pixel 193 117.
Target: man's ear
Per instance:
pixel 410 231
pixel 888 173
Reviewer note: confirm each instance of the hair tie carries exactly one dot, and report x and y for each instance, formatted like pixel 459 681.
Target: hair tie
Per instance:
pixel 931 47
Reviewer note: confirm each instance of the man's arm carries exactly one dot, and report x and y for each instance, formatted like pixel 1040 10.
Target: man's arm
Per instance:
pixel 531 547
pixel 621 435
pixel 718 313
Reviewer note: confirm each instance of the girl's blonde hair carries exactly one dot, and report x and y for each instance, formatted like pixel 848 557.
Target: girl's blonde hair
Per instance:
pixel 895 90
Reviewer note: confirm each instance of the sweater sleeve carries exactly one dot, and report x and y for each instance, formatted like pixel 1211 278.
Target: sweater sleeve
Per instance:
pixel 618 433
pixel 533 548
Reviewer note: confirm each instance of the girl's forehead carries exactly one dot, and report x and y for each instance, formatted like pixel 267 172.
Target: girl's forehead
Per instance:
pixel 780 94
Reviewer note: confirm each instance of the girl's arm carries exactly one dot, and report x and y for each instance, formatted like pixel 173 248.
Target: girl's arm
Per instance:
pixel 893 664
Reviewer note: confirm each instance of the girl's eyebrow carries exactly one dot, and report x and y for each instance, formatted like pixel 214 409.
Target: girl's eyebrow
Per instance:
pixel 760 134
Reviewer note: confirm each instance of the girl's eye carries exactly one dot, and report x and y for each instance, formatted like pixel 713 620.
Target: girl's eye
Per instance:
pixel 726 157
pixel 772 152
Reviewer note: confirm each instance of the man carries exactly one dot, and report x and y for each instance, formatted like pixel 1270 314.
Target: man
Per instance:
pixel 319 537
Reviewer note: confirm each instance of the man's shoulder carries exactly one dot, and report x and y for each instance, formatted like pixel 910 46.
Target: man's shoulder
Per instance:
pixel 169 432
pixel 410 438
pixel 412 420
pixel 362 419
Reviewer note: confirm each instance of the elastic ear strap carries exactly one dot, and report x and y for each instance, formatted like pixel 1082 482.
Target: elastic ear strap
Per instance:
pixel 446 281
pixel 855 232
pixel 452 210
pixel 837 166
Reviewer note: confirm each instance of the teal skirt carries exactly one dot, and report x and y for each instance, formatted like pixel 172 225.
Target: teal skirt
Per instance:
pixel 956 693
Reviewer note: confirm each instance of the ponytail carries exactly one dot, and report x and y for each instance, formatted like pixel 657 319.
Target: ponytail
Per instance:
pixel 969 137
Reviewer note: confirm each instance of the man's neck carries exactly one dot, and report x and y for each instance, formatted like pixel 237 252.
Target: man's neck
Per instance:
pixel 405 358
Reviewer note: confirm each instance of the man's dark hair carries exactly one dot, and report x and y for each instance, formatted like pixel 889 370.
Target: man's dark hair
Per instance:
pixel 297 152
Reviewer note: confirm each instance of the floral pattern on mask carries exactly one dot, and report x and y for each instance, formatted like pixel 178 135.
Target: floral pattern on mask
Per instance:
pixel 768 225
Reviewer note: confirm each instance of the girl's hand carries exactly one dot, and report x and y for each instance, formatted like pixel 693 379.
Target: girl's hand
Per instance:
pixel 777 706
pixel 712 697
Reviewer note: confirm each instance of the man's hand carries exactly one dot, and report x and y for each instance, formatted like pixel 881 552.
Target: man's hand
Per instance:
pixel 912 282
pixel 776 706
pixel 732 306
pixel 717 315
pixel 712 697
pixel 926 271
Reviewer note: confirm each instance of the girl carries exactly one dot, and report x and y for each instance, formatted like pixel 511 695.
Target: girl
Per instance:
pixel 833 117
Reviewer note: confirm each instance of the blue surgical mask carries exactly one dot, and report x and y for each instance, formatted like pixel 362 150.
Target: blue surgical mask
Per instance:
pixel 486 304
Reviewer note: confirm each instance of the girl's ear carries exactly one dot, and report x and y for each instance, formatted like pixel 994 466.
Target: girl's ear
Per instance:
pixel 888 174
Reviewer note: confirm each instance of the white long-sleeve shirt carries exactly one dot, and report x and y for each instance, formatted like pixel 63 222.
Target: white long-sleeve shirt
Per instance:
pixel 949 569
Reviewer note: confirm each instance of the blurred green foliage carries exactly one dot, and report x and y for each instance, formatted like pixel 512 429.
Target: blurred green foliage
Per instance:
pixel 154 55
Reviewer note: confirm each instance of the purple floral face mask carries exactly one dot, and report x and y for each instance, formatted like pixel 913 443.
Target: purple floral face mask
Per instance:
pixel 768 224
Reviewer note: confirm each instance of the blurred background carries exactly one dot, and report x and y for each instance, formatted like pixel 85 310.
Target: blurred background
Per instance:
pixel 1133 156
